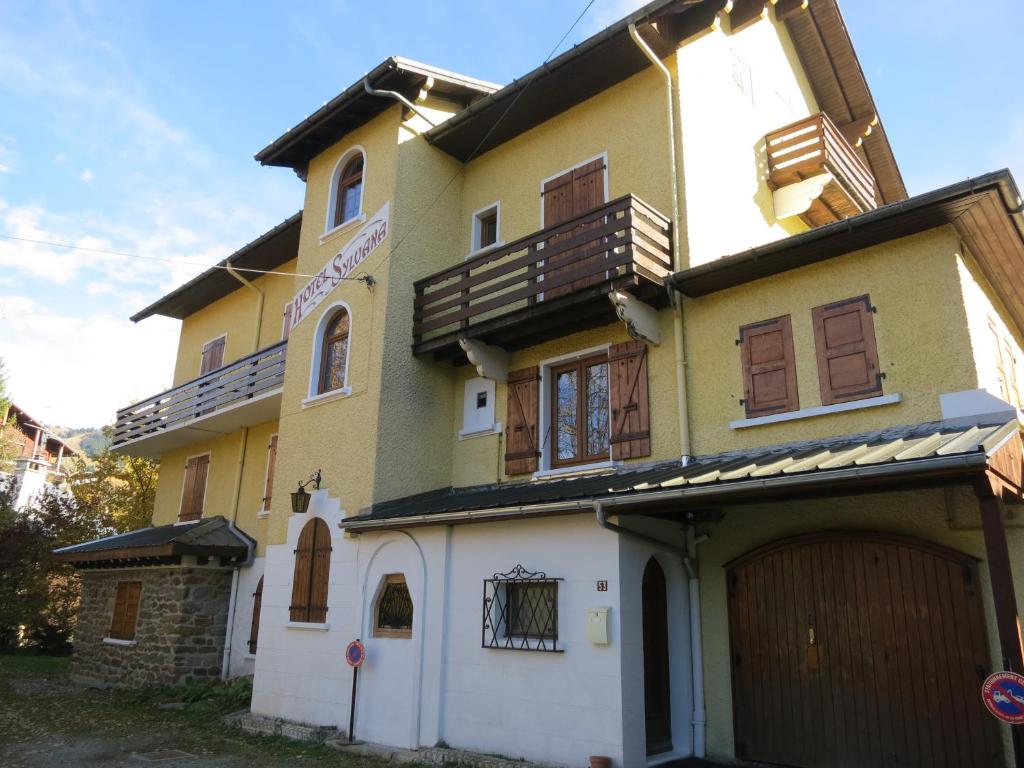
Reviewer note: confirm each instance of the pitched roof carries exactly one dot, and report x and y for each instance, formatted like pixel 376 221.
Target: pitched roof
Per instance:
pixel 985 210
pixel 268 251
pixel 25 420
pixel 933 451
pixel 210 536
pixel 354 107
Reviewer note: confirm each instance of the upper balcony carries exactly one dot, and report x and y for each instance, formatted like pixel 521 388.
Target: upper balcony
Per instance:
pixel 241 394
pixel 548 284
pixel 816 174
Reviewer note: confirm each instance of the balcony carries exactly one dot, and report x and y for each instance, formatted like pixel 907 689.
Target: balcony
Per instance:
pixel 548 284
pixel 816 174
pixel 243 393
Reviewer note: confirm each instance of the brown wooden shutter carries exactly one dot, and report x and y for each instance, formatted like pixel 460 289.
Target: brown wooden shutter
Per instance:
pixel 566 197
pixel 194 492
pixel 126 610
pixel 631 420
pixel 254 628
pixel 312 573
pixel 844 336
pixel 268 490
pixel 286 326
pixel 521 422
pixel 213 355
pixel 769 367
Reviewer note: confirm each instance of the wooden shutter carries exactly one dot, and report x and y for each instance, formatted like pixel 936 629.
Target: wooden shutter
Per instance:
pixel 194 492
pixel 844 336
pixel 521 422
pixel 566 197
pixel 631 420
pixel 312 572
pixel 286 325
pixel 268 490
pixel 126 610
pixel 769 367
pixel 257 604
pixel 213 355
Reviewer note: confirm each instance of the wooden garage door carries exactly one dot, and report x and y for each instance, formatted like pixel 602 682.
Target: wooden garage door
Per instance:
pixel 854 649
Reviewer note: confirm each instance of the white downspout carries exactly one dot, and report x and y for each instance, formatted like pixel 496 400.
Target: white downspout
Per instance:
pixel 259 303
pixel 229 634
pixel 677 259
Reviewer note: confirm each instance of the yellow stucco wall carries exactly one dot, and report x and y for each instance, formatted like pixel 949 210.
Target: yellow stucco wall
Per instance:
pixel 733 90
pixel 225 454
pixel 952 520
pixel 915 286
pixel 235 316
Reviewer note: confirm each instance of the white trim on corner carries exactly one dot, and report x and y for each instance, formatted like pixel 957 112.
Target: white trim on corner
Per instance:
pixel 576 469
pixel 318 346
pixel 326 397
pixel 330 233
pixel 332 193
pixel 122 643
pixel 494 429
pixel 475 249
pixel 818 410
pixel 315 626
pixel 600 155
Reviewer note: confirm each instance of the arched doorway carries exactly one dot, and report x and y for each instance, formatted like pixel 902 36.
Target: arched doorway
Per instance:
pixel 859 649
pixel 658 715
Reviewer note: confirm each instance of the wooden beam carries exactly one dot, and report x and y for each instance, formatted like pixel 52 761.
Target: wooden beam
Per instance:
pixel 786 8
pixel 856 131
pixel 695 23
pixel 747 12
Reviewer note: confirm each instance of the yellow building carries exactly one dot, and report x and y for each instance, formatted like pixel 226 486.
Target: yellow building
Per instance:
pixel 634 408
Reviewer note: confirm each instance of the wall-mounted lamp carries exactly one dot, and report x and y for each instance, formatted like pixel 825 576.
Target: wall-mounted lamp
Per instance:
pixel 300 499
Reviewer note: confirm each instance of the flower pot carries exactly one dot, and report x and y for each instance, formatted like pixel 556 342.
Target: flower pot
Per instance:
pixel 600 761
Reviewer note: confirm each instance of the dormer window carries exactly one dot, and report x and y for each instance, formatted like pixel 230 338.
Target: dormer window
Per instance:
pixel 348 195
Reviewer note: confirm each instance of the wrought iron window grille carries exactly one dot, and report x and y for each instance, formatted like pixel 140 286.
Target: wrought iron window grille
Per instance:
pixel 394 609
pixel 520 611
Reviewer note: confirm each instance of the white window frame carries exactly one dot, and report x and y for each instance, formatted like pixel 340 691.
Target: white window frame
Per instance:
pixel 544 423
pixel 206 486
pixel 264 511
pixel 332 194
pixel 318 346
pixel 204 345
pixel 475 248
pixel 599 156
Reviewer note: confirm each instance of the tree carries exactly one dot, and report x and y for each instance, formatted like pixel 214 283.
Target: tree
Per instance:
pixel 119 490
pixel 9 446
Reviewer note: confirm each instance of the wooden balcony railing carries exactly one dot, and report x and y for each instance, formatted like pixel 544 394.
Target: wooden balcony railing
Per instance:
pixel 242 381
pixel 552 282
pixel 814 146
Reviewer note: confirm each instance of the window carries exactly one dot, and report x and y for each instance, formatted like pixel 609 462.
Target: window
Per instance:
pixel 334 353
pixel 254 628
pixel 520 611
pixel 312 569
pixel 393 614
pixel 485 228
pixel 769 367
pixel 1006 367
pixel 193 494
pixel 213 355
pixel 126 610
pixel 579 411
pixel 268 487
pixel 348 196
pixel 478 408
pixel 844 338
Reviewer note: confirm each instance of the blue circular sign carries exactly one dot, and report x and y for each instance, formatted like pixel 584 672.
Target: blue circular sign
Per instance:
pixel 1003 694
pixel 355 653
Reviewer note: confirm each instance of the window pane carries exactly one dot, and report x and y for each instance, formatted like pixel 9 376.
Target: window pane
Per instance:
pixel 334 364
pixel 597 409
pixel 488 229
pixel 350 200
pixel 531 609
pixel 566 428
pixel 394 611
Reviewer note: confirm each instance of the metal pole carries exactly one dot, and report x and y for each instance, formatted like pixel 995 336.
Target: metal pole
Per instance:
pixel 352 706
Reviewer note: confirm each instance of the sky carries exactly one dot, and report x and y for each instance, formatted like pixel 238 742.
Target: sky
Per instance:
pixel 130 127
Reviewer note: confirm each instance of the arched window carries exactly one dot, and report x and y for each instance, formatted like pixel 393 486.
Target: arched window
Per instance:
pixel 334 353
pixel 348 195
pixel 312 569
pixel 393 612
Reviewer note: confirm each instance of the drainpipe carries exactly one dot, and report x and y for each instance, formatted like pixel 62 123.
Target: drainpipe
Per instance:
pixel 677 259
pixel 397 97
pixel 259 303
pixel 688 556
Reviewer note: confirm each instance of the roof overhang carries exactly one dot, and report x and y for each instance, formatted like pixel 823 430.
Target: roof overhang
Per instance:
pixel 985 210
pixel 354 107
pixel 267 252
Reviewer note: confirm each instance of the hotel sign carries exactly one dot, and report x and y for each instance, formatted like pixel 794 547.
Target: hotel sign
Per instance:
pixel 344 263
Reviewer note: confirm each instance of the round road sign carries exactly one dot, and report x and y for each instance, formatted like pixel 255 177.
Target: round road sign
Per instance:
pixel 1003 694
pixel 355 653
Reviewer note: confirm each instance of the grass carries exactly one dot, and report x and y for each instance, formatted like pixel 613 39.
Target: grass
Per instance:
pixel 38 701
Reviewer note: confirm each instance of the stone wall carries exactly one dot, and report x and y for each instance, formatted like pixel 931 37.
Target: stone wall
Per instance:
pixel 179 635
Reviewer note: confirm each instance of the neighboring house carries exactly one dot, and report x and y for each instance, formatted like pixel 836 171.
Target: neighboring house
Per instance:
pixel 763 515
pixel 35 454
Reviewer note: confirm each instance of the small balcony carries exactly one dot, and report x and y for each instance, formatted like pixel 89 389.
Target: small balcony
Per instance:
pixel 816 174
pixel 548 284
pixel 241 394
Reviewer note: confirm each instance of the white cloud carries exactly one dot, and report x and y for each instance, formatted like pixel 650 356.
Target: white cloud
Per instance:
pixel 5 168
pixel 87 176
